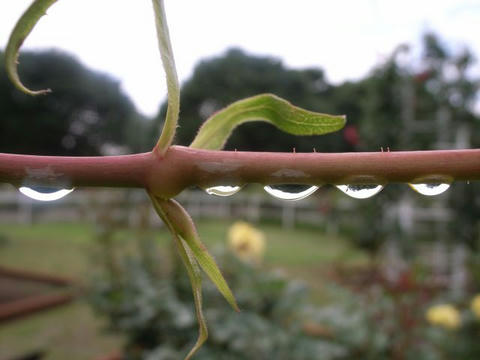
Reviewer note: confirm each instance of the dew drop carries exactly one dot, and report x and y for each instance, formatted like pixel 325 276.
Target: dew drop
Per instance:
pixel 430 189
pixel 44 193
pixel 360 191
pixel 290 192
pixel 223 190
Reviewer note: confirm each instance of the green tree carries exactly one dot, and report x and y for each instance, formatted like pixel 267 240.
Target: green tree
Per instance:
pixel 220 81
pixel 85 110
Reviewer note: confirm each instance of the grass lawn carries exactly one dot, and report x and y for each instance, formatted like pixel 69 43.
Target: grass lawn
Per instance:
pixel 300 247
pixel 68 332
pixel 73 332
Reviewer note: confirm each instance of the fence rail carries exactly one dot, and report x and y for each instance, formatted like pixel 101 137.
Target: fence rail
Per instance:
pixel 324 210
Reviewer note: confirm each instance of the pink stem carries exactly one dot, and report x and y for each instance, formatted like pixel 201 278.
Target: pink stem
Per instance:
pixel 111 171
pixel 183 167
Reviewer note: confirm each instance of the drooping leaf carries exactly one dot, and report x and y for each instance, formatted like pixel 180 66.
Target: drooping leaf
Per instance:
pixel 265 107
pixel 185 228
pixel 20 32
pixel 173 98
pixel 194 275
pixel 196 280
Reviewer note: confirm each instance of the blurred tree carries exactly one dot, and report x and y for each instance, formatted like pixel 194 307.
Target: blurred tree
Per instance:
pixel 446 94
pixel 86 113
pixel 408 104
pixel 380 121
pixel 454 93
pixel 420 104
pixel 220 81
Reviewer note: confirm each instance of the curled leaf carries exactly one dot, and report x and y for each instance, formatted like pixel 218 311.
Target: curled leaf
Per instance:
pixel 185 228
pixel 168 62
pixel 194 275
pixel 265 107
pixel 196 280
pixel 20 32
pixel 193 253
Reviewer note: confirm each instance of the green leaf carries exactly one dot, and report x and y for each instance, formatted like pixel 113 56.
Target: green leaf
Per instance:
pixel 194 274
pixel 20 32
pixel 265 107
pixel 173 98
pixel 196 280
pixel 185 228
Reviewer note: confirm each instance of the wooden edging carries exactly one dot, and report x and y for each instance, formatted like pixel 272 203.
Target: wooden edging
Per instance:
pixel 29 305
pixel 20 308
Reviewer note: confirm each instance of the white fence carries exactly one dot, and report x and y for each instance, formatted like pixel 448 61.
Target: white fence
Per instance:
pixel 324 209
pixel 81 205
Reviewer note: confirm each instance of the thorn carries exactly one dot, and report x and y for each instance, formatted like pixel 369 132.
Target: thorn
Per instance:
pixel 314 150
pixel 294 151
pixel 381 148
pixel 235 149
pixel 388 148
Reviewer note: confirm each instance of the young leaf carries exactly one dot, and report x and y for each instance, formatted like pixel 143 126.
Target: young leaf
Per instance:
pixel 185 228
pixel 194 274
pixel 173 98
pixel 20 32
pixel 265 107
pixel 196 280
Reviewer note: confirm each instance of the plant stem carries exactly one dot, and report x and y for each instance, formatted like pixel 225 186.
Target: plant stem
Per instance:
pixel 109 171
pixel 168 61
pixel 183 167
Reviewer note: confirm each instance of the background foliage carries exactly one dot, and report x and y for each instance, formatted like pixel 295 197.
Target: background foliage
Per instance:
pixel 85 114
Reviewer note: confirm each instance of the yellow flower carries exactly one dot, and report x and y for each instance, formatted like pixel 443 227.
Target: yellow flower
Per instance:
pixel 475 306
pixel 246 242
pixel 445 316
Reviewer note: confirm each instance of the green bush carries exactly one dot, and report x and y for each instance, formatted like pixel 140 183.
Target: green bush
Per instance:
pixel 148 299
pixel 154 309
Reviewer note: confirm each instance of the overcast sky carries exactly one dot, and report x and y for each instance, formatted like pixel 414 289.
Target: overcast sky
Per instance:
pixel 345 38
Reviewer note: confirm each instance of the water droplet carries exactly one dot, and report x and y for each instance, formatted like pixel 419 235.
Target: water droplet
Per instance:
pixel 430 189
pixel 223 190
pixel 41 193
pixel 290 192
pixel 360 191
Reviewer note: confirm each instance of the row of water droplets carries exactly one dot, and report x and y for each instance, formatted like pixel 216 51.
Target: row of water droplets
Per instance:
pixel 358 191
pixel 289 192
